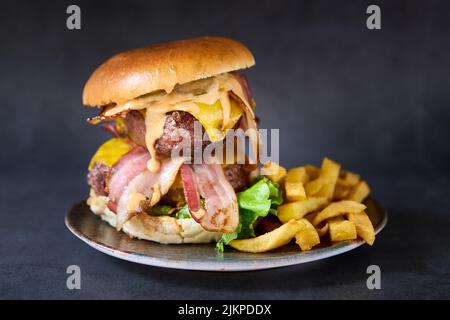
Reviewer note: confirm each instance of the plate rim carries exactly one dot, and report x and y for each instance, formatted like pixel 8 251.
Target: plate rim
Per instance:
pixel 227 265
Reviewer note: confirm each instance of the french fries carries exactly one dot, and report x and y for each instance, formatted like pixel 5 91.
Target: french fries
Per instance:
pixel 341 191
pixel 273 171
pixel 307 237
pixel 348 178
pixel 298 209
pixel 337 209
pixel 312 171
pixel 323 231
pixel 329 173
pixel 318 202
pixel 359 192
pixel 341 230
pixel 293 184
pixel 364 227
pixel 271 240
pixel 313 187
pixel 325 183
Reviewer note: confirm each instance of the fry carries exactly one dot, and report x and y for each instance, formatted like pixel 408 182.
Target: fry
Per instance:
pixel 310 216
pixel 323 231
pixel 341 230
pixel 307 237
pixel 329 173
pixel 364 227
pixel 349 178
pixel 293 184
pixel 341 191
pixel 298 209
pixel 344 184
pixel 312 171
pixel 298 174
pixel 359 192
pixel 313 187
pixel 273 171
pixel 294 191
pixel 337 209
pixel 271 240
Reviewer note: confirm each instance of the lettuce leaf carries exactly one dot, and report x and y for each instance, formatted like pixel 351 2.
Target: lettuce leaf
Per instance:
pixel 183 213
pixel 161 210
pixel 262 198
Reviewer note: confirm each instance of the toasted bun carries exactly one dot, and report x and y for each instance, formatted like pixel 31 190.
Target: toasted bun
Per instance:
pixel 133 73
pixel 163 229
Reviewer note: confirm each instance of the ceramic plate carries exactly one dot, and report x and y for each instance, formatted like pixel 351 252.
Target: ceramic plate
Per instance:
pixel 101 236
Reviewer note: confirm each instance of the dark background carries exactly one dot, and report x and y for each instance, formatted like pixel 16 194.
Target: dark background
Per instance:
pixel 376 101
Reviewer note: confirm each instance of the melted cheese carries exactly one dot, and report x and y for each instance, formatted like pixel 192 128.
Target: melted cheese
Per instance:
pixel 213 109
pixel 110 152
pixel 135 201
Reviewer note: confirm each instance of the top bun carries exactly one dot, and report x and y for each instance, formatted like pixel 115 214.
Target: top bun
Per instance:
pixel 133 73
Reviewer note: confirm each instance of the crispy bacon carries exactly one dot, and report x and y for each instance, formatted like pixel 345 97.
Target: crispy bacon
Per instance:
pixel 245 87
pixel 111 128
pixel 222 213
pixel 250 127
pixel 130 177
pixel 191 194
pixel 126 169
pixel 103 117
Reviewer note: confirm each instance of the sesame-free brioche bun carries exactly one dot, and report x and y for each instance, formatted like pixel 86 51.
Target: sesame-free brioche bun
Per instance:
pixel 161 229
pixel 133 73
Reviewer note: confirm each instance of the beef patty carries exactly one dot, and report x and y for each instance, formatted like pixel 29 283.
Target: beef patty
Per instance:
pixel 179 124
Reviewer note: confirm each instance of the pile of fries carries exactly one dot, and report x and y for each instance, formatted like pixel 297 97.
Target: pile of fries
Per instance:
pixel 321 204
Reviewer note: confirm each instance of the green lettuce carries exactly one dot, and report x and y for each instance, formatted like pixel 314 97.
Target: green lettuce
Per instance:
pixel 183 213
pixel 161 210
pixel 262 198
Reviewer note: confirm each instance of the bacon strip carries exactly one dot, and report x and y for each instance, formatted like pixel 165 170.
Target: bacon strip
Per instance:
pixel 245 87
pixel 222 213
pixel 250 127
pixel 111 128
pixel 103 117
pixel 132 177
pixel 128 167
pixel 190 189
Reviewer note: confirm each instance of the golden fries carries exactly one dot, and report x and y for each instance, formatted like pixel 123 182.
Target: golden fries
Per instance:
pixel 337 209
pixel 294 184
pixel 298 174
pixel 349 178
pixel 329 173
pixel 298 209
pixel 307 237
pixel 273 171
pixel 323 231
pixel 341 230
pixel 313 187
pixel 364 227
pixel 312 171
pixel 271 240
pixel 318 201
pixel 359 192
pixel 341 191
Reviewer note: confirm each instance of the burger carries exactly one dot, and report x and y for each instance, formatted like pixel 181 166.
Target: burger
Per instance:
pixel 164 105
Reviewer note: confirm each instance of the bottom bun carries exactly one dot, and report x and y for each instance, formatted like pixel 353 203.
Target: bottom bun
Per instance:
pixel 161 229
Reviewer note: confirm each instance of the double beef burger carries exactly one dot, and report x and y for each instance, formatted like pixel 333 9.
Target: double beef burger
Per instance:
pixel 144 180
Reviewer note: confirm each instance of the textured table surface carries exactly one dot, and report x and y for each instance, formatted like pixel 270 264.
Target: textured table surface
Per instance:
pixel 413 253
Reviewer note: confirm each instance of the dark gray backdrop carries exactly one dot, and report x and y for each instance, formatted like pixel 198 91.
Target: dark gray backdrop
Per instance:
pixel 376 101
